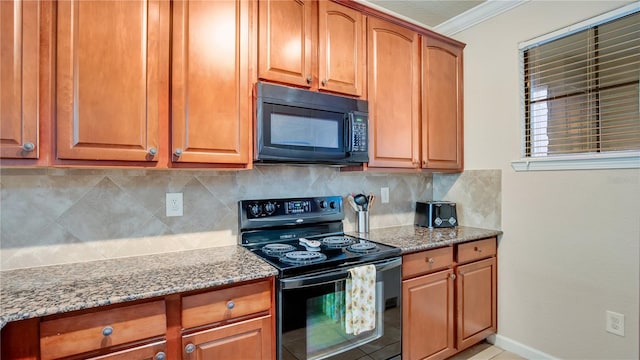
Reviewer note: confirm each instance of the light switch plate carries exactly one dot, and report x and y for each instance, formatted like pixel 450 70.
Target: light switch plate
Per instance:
pixel 384 195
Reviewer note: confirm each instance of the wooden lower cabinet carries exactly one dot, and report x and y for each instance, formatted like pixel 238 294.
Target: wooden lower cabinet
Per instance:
pixel 428 306
pixel 476 302
pixel 449 302
pixel 155 351
pixel 231 322
pixel 250 339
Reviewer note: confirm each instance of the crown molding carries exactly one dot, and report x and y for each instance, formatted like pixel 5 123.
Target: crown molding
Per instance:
pixel 476 15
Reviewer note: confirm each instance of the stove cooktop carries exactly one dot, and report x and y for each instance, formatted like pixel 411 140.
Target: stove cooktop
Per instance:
pixel 292 257
pixel 303 235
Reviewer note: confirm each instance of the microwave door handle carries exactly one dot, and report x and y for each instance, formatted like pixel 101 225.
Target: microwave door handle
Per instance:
pixel 348 127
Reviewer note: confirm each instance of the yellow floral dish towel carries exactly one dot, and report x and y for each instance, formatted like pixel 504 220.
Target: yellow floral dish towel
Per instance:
pixel 360 300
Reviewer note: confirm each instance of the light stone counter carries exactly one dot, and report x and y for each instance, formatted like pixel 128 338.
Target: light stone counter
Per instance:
pixel 41 291
pixel 415 238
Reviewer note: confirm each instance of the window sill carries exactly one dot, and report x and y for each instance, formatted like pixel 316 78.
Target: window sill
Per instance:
pixel 622 160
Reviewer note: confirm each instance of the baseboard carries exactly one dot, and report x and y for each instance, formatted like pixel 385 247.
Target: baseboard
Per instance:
pixel 517 348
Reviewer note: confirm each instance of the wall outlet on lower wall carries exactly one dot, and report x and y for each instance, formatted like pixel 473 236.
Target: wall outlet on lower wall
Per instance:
pixel 615 323
pixel 174 204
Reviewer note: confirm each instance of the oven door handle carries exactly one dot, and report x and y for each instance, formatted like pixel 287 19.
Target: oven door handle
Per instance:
pixel 332 276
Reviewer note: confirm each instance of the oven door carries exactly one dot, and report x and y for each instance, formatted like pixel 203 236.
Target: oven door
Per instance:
pixel 312 309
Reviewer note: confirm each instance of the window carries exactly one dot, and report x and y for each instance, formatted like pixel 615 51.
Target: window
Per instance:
pixel 581 93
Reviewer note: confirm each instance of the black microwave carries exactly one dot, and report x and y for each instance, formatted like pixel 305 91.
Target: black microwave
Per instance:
pixel 306 127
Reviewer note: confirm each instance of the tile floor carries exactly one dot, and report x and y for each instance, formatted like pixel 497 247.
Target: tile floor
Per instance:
pixel 486 351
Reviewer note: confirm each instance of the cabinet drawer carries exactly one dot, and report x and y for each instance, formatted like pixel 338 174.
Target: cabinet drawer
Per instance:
pixel 77 334
pixel 476 250
pixel 426 261
pixel 225 304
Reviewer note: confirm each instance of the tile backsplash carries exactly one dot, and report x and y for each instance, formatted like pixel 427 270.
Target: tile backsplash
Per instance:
pixel 477 194
pixel 53 216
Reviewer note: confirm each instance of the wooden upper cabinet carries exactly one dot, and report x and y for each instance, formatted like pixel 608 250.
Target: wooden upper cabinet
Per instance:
pixel 284 38
pixel 110 79
pixel 19 40
pixel 319 45
pixel 394 95
pixel 341 49
pixel 442 105
pixel 211 92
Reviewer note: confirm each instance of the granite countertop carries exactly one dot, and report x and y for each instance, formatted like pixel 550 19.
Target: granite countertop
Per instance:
pixel 41 291
pixel 415 238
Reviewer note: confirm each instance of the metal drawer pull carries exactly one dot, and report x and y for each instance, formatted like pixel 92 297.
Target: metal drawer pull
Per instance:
pixel 108 330
pixel 153 151
pixel 309 79
pixel 28 147
pixel 160 356
pixel 230 305
pixel 177 152
pixel 453 276
pixel 189 348
pixel 477 249
pixel 430 260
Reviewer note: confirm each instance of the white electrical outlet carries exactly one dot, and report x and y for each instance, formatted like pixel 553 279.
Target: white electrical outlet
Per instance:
pixel 174 204
pixel 384 195
pixel 615 323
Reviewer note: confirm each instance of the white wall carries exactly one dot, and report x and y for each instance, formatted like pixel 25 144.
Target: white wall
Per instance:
pixel 561 265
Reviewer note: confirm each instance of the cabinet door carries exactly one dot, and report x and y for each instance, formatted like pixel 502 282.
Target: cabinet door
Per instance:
pixel 476 302
pixel 394 95
pixel 109 79
pixel 284 38
pixel 341 49
pixel 427 316
pixel 211 97
pixel 442 106
pixel 250 339
pixel 19 38
pixel 155 351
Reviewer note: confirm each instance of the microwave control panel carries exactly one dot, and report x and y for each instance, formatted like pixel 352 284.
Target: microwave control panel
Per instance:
pixel 359 131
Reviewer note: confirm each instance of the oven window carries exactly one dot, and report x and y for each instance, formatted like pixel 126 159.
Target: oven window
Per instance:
pixel 313 322
pixel 299 131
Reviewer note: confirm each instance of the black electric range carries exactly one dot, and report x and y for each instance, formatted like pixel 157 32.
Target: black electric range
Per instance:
pixel 301 235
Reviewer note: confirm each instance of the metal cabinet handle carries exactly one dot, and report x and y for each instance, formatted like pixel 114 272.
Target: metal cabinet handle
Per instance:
pixel 177 152
pixel 153 151
pixel 309 78
pixel 324 82
pixel 453 276
pixel 160 356
pixel 28 147
pixel 189 348
pixel 230 304
pixel 430 260
pixel 477 249
pixel 108 330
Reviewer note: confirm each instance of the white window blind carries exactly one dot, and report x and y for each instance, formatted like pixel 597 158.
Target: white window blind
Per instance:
pixel 581 91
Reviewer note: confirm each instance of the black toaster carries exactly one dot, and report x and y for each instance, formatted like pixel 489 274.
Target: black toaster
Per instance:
pixel 436 214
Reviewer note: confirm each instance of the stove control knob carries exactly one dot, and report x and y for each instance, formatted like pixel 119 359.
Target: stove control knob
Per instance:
pixel 255 209
pixel 323 204
pixel 332 204
pixel 269 208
